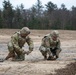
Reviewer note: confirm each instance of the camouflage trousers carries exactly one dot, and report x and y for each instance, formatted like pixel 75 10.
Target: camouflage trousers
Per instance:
pixel 49 51
pixel 45 51
pixel 55 52
pixel 14 53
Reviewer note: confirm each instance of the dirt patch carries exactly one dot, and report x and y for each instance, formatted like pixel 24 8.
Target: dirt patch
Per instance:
pixel 69 70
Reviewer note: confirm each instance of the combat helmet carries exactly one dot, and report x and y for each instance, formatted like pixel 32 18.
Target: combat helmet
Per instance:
pixel 25 30
pixel 55 33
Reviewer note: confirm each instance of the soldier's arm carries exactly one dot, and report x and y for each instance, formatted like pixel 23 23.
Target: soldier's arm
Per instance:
pixel 43 40
pixel 42 48
pixel 58 44
pixel 30 44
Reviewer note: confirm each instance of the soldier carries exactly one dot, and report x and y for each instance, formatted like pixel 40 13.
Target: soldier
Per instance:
pixel 17 42
pixel 50 46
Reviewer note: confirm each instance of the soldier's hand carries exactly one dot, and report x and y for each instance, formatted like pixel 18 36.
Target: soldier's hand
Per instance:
pixel 26 52
pixel 30 50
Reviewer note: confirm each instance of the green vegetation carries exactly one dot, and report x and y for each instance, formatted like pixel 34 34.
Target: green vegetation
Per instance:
pixel 38 17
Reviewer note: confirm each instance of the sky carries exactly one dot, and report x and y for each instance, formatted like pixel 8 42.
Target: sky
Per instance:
pixel 28 3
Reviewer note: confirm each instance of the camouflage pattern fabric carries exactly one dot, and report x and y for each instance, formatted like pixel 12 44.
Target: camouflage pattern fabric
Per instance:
pixel 50 46
pixel 17 42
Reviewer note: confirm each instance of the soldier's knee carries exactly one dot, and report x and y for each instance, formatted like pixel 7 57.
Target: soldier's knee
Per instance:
pixel 42 48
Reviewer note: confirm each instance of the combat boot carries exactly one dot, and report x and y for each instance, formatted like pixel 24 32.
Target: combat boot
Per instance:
pixel 45 57
pixel 50 58
pixel 20 57
pixel 24 52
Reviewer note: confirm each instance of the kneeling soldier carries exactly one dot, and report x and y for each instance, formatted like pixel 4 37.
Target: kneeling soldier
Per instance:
pixel 50 45
pixel 17 42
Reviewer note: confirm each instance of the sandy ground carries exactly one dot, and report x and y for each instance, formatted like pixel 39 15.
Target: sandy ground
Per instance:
pixel 34 63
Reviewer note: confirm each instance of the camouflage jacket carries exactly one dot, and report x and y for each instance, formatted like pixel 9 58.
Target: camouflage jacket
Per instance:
pixel 18 42
pixel 48 42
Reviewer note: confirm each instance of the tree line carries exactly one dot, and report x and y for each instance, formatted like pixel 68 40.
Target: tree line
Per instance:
pixel 38 16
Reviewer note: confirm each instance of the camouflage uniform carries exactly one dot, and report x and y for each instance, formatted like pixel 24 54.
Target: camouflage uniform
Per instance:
pixel 17 42
pixel 50 46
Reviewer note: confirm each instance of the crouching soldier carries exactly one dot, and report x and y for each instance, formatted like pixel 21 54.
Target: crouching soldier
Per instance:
pixel 17 42
pixel 50 46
